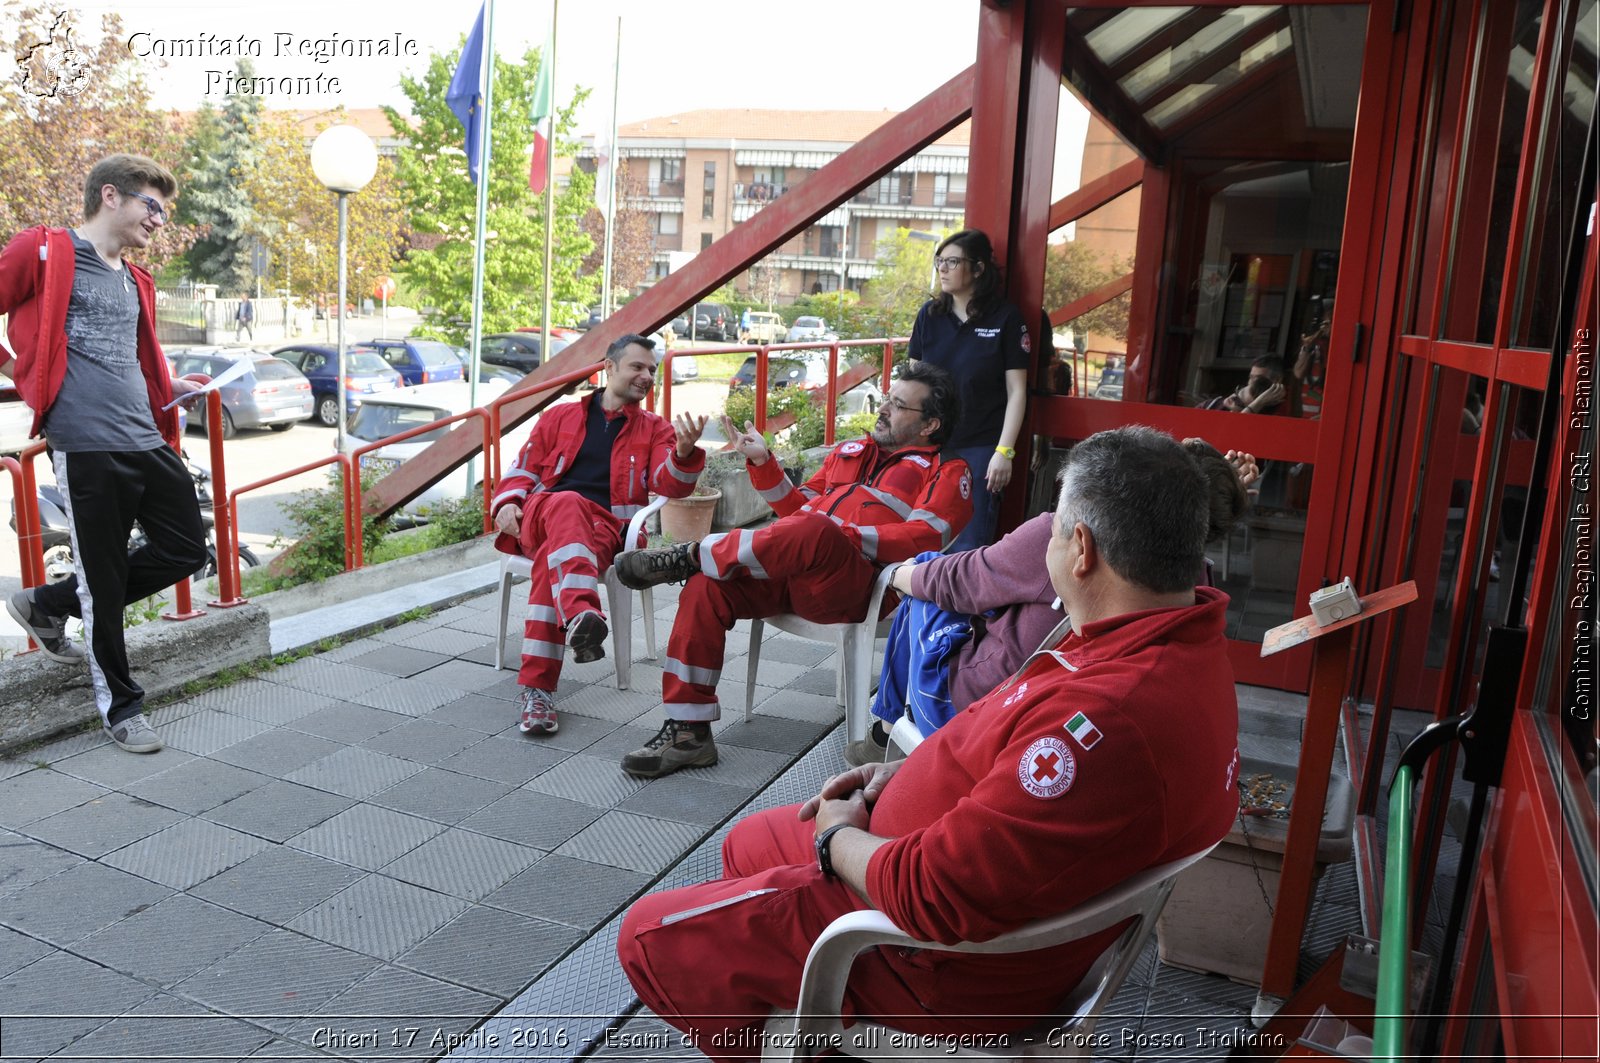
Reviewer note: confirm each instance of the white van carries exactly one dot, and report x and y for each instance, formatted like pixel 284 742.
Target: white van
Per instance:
pixel 763 328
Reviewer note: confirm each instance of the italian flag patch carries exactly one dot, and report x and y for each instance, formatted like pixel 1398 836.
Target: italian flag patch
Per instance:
pixel 1081 728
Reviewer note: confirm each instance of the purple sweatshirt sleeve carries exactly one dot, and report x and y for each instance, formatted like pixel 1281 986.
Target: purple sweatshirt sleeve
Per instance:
pixel 1009 572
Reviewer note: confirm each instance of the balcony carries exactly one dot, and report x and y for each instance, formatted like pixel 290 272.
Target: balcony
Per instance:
pixel 664 189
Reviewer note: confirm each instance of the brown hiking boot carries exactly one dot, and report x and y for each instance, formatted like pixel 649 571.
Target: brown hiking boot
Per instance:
pixel 638 569
pixel 678 744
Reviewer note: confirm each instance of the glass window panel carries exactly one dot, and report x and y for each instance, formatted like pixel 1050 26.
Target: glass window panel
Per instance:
pixel 1120 34
pixel 1091 349
pixel 1483 214
pixel 1258 562
pixel 1262 51
pixel 1173 63
pixel 1556 186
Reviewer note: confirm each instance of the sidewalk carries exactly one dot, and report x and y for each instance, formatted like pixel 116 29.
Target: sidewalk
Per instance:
pixel 360 833
pixel 357 855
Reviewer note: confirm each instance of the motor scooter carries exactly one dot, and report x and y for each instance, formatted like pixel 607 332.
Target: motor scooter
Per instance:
pixel 55 532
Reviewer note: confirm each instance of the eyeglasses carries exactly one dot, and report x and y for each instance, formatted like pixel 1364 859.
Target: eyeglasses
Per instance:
pixel 895 404
pixel 151 204
pixel 949 262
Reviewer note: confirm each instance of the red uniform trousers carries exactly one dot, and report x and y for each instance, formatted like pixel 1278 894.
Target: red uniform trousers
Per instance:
pixel 714 960
pixel 802 564
pixel 570 541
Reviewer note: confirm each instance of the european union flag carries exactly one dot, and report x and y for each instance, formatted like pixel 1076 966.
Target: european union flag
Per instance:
pixel 465 95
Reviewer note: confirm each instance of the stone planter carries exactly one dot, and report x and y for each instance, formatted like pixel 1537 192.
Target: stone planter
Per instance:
pixel 689 519
pixel 740 504
pixel 1220 913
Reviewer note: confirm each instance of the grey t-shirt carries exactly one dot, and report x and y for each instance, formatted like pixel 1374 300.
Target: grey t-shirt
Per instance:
pixel 103 403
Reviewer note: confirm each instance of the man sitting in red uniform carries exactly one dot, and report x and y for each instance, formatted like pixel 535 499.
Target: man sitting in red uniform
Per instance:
pixel 586 469
pixel 879 499
pixel 1109 753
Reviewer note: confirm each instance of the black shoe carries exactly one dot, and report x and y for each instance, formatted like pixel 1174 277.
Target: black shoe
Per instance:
pixel 677 745
pixel 638 569
pixel 587 637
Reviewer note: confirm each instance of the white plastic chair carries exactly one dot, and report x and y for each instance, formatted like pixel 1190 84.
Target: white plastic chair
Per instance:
pixel 857 647
pixel 618 602
pixel 816 1020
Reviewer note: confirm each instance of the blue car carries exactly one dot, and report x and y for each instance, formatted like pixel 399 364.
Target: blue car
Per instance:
pixel 366 374
pixel 418 361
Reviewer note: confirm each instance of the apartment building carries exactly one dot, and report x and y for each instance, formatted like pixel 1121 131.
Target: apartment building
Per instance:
pixel 700 173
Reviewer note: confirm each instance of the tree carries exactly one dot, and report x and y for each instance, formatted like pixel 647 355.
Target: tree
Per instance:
pixel 631 246
pixel 1072 270
pixel 441 202
pixel 296 217
pixel 73 103
pixel 904 281
pixel 224 155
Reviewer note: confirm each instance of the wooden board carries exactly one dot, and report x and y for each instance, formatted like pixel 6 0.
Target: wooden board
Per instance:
pixel 1296 632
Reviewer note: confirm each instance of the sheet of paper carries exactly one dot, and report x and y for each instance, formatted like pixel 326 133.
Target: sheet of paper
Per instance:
pixel 238 369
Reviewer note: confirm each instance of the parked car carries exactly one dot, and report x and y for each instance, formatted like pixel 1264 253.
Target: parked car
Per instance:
pixel 519 350
pixel 593 320
pixel 763 328
pixel 809 370
pixel 684 367
pixel 807 328
pixel 713 321
pixel 272 394
pixel 16 419
pixel 1110 384
pixel 679 326
pixel 419 361
pixel 365 374
pixel 394 412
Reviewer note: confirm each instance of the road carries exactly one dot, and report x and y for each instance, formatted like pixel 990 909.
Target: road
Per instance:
pixel 252 456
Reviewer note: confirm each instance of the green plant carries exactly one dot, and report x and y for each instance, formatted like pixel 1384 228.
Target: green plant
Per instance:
pixel 137 613
pixel 722 467
pixel 455 520
pixel 317 516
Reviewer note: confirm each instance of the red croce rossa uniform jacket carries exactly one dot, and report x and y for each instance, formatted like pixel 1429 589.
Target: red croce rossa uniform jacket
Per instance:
pixel 36 270
pixel 892 506
pixel 1114 751
pixel 644 461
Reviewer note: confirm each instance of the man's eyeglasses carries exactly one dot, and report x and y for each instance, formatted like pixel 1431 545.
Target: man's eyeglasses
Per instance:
pixel 895 404
pixel 151 204
pixel 949 262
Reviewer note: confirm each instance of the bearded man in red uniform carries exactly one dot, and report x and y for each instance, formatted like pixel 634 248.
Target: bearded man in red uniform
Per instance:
pixel 876 500
pixel 1111 752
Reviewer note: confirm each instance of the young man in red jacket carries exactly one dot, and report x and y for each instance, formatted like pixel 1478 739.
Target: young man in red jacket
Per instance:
pixel 88 363
pixel 883 498
pixel 586 469
pixel 1111 752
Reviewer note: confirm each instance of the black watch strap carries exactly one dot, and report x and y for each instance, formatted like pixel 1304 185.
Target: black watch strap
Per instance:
pixel 824 857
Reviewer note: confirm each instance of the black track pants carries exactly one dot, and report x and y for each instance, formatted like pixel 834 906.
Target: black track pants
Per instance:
pixel 106 491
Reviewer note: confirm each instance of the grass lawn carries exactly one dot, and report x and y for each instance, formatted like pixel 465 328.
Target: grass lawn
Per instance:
pixel 718 366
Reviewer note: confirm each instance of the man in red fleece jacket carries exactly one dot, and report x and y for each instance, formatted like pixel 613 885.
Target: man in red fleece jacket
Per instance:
pixel 875 500
pixel 1111 752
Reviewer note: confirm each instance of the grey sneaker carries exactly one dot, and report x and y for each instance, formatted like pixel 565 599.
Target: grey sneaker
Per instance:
pixel 869 750
pixel 50 632
pixel 587 637
pixel 677 745
pixel 638 569
pixel 136 735
pixel 538 712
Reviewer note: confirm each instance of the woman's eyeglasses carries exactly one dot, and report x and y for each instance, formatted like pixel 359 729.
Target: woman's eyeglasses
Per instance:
pixel 949 262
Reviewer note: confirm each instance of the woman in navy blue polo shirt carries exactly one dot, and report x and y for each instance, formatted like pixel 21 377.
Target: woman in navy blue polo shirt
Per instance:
pixel 971 332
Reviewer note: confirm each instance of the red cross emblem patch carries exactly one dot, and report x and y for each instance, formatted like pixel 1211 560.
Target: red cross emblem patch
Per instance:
pixel 1047 768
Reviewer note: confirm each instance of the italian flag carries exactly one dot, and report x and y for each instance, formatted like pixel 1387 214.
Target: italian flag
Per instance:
pixel 1083 730
pixel 541 113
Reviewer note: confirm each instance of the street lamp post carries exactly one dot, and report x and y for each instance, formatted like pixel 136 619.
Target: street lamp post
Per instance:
pixel 344 160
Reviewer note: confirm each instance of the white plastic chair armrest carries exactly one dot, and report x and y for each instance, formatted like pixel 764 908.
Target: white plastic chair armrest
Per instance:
pixel 636 525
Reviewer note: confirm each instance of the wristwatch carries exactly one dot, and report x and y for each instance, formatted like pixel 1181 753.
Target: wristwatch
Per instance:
pixel 1006 452
pixel 824 858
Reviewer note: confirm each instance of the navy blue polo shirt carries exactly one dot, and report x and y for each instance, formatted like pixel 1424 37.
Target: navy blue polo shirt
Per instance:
pixel 590 474
pixel 976 352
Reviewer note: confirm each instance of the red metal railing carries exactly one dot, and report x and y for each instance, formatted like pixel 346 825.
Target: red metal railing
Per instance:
pixel 30 545
pixel 762 351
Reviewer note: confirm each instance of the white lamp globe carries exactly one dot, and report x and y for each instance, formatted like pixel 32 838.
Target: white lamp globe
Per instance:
pixel 344 158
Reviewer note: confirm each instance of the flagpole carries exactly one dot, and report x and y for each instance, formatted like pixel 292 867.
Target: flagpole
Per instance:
pixel 549 184
pixel 611 179
pixel 485 79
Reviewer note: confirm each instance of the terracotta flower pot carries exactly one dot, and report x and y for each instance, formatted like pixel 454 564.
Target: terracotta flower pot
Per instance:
pixel 689 519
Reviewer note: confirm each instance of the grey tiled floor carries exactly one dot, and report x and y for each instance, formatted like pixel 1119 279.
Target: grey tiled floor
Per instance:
pixel 351 845
pixel 358 856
